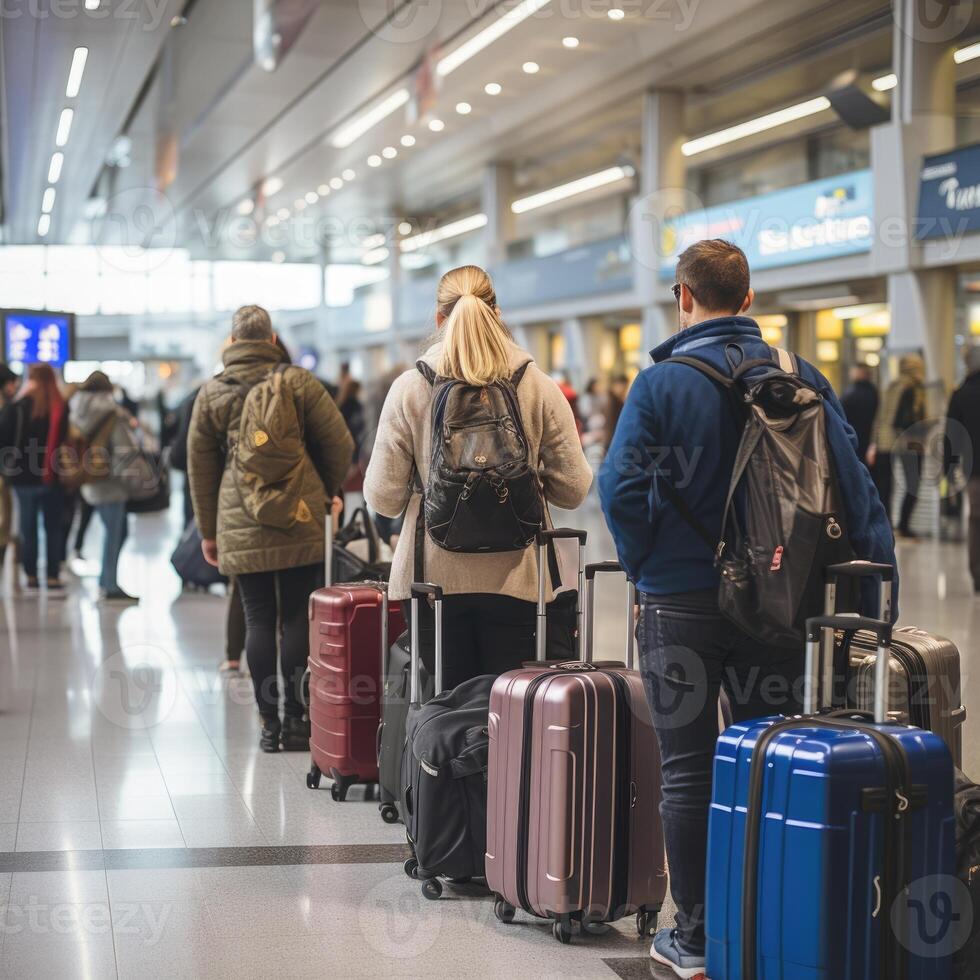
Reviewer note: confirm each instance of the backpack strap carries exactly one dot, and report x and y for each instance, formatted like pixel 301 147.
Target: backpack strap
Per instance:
pixel 518 376
pixel 706 369
pixel 787 361
pixel 425 369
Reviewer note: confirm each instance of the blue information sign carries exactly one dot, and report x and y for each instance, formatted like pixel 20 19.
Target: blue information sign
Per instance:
pixel 820 220
pixel 949 194
pixel 30 337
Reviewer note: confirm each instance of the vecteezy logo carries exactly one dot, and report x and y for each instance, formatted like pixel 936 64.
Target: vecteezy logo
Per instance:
pixel 933 21
pixel 933 917
pixel 405 23
pixel 136 688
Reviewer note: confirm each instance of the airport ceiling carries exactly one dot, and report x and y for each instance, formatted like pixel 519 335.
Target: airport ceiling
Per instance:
pixel 205 127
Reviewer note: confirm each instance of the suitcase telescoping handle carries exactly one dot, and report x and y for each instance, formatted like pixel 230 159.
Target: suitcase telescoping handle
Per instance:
pixel 328 546
pixel 860 569
pixel 591 571
pixel 424 590
pixel 545 540
pixel 850 623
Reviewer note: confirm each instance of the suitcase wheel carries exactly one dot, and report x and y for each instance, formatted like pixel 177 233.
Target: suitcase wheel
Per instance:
pixel 503 910
pixel 432 889
pixel 646 922
pixel 562 930
pixel 341 784
pixel 389 812
pixel 411 867
pixel 313 777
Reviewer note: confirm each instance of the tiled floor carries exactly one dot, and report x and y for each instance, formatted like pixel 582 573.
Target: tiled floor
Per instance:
pixel 117 735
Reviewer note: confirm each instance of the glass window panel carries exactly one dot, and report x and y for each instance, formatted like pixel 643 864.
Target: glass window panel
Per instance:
pixel 22 258
pixel 122 292
pixel 73 259
pixel 22 289
pixel 201 287
pixel 74 292
pixel 235 284
pixel 340 281
pixel 293 286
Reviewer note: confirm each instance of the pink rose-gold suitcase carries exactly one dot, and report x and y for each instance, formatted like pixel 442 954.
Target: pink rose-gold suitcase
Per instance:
pixel 573 813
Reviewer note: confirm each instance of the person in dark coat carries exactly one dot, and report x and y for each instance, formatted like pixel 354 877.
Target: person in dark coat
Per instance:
pixel 963 447
pixel 860 403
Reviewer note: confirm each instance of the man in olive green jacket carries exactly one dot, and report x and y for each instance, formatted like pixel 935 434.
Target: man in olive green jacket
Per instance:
pixel 276 568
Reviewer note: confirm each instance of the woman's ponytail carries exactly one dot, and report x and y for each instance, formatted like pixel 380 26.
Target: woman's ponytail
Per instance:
pixel 474 340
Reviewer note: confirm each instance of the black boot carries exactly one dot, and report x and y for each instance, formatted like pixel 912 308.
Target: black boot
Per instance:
pixel 295 734
pixel 269 739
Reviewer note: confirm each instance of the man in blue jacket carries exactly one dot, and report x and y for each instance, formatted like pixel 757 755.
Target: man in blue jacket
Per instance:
pixel 679 426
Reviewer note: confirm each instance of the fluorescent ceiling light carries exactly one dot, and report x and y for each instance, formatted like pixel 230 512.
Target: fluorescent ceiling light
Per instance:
pixel 862 309
pixel 43 224
pixel 76 71
pixel 968 53
pixel 407 140
pixel 47 202
pixel 507 22
pixel 375 256
pixel 492 88
pixel 374 160
pixel 885 82
pixel 758 125
pixel 374 241
pixel 54 168
pixel 272 186
pixel 64 126
pixel 357 127
pixel 452 230
pixel 580 186
pixel 389 153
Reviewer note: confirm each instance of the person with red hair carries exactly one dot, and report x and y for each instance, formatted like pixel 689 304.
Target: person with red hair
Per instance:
pixel 32 429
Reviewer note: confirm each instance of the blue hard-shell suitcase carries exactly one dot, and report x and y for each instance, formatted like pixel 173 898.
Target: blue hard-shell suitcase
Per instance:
pixel 831 843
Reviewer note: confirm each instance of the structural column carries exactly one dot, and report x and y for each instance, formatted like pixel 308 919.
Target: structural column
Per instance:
pixel 662 194
pixel 497 194
pixel 922 301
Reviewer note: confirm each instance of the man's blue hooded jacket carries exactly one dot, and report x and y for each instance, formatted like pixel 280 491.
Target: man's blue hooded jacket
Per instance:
pixel 679 425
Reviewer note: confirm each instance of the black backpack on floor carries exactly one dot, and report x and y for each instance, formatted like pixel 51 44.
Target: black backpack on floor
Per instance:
pixel 783 520
pixel 483 492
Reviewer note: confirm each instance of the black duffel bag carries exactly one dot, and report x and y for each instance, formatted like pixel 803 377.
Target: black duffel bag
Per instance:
pixel 189 563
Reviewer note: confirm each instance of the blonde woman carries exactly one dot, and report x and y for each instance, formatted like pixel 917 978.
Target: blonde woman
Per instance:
pixel 489 598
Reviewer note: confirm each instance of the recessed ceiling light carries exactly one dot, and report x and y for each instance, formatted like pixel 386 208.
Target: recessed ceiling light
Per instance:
pixel 570 42
pixel 312 197
pixel 336 183
pixel 47 202
pixel 245 206
pixel 531 67
pixel 323 190
pixel 43 224
pixel 64 126
pixel 54 168
pixel 283 214
pixel 278 256
pixel 272 186
pixel 76 71
pixel 436 125
pixel 374 160
pixel 299 203
pixel 356 128
pixel 348 174
pixel 389 153
pixel 93 4
pixel 374 256
pixel 492 88
pixel 407 140
pixel 616 13
pixel 464 108
pixel 405 228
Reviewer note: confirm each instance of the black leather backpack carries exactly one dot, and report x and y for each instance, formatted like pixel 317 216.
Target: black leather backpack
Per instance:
pixel 483 492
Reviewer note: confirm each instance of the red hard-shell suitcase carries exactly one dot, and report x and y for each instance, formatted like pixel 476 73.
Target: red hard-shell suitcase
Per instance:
pixel 573 811
pixel 349 627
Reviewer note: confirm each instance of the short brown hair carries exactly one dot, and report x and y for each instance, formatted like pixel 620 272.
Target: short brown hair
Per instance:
pixel 717 274
pixel 251 323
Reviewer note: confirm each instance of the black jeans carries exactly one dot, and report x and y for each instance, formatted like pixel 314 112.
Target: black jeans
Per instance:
pixel 271 600
pixel 687 651
pixel 912 468
pixel 235 625
pixel 481 634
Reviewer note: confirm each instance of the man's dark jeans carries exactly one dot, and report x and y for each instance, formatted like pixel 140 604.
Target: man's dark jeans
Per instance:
pixel 687 652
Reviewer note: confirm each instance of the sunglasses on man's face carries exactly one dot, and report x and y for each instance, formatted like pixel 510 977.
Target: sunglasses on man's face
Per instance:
pixel 676 290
